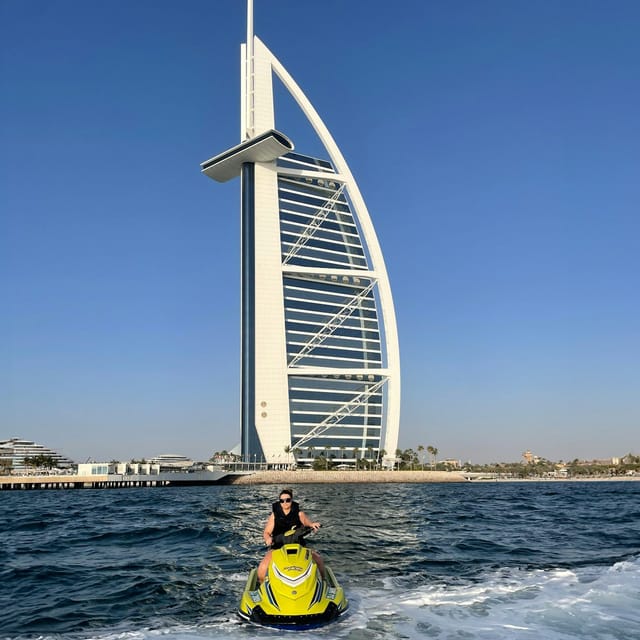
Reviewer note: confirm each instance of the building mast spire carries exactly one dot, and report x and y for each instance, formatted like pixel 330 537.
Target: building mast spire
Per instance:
pixel 249 71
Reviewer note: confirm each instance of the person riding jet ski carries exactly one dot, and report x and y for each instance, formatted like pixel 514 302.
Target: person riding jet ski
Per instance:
pixel 285 515
pixel 295 589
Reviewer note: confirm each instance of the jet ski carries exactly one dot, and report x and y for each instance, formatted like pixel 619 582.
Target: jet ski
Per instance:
pixel 293 595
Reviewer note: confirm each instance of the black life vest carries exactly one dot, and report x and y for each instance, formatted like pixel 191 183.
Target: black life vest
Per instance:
pixel 285 522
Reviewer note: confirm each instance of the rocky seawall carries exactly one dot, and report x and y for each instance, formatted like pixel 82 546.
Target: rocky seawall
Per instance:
pixel 303 476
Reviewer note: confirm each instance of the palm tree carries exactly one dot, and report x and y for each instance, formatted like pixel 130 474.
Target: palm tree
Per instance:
pixel 288 450
pixel 432 454
pixel 370 452
pixel 420 450
pixel 356 451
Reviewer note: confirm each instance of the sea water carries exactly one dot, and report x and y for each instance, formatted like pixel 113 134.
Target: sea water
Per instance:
pixel 548 560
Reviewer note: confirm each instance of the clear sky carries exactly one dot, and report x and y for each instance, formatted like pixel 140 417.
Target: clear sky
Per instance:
pixel 497 145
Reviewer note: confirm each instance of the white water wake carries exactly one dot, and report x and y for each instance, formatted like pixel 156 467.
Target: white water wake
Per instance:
pixel 596 603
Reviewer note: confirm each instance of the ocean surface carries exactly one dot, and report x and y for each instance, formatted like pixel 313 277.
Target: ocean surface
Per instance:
pixel 549 560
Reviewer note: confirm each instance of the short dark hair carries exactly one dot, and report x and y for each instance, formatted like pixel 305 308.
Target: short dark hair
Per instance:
pixel 288 492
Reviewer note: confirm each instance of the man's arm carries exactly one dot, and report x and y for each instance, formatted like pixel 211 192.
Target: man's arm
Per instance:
pixel 268 530
pixel 307 522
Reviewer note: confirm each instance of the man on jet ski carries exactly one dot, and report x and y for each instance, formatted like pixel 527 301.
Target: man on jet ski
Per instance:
pixel 285 515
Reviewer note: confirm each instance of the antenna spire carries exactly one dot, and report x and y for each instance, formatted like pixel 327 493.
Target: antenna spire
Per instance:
pixel 249 71
pixel 250 28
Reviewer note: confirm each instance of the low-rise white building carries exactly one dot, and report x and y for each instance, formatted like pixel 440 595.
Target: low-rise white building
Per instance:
pixel 172 462
pixel 118 468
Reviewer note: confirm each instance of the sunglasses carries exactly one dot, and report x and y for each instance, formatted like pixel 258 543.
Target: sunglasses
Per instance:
pixel 285 500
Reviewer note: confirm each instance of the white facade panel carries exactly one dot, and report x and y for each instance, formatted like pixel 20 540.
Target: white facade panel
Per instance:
pixel 271 393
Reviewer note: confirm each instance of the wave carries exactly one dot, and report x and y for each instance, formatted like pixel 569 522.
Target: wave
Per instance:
pixel 454 562
pixel 599 603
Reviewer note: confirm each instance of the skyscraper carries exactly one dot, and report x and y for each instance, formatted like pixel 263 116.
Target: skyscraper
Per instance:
pixel 320 363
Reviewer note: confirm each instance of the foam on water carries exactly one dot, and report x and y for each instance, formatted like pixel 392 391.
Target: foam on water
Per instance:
pixel 591 603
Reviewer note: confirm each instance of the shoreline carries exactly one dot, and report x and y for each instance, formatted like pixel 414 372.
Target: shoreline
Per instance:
pixel 406 477
pixel 277 477
pixel 304 476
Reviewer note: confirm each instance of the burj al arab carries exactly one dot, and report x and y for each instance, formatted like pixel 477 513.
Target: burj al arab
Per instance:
pixel 320 362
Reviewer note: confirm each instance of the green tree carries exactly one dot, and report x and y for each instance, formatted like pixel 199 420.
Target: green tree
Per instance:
pixel 420 452
pixel 433 452
pixel 370 455
pixel 288 451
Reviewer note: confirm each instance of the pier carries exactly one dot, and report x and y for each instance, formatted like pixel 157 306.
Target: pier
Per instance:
pixel 114 481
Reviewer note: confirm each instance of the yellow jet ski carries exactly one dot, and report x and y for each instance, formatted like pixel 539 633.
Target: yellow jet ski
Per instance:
pixel 293 594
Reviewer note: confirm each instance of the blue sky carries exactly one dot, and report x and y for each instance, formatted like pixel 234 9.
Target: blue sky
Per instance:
pixel 496 143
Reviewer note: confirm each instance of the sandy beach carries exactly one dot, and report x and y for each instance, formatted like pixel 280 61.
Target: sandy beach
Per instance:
pixel 321 477
pixel 302 476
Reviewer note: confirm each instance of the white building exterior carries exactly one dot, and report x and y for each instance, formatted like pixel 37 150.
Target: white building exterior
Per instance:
pixel 320 355
pixel 119 468
pixel 14 451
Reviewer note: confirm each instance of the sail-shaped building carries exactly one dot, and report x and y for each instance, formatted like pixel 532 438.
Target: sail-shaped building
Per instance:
pixel 320 363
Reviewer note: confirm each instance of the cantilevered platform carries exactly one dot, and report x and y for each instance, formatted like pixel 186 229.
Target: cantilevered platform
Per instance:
pixel 263 148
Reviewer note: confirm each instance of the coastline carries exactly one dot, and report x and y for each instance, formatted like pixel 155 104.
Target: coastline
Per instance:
pixel 408 477
pixel 278 477
pixel 304 476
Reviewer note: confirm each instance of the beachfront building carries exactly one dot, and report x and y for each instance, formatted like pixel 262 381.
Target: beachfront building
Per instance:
pixel 172 462
pixel 320 359
pixel 18 456
pixel 119 468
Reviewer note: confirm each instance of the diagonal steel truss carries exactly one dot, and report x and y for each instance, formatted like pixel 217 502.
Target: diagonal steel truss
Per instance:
pixel 332 324
pixel 342 412
pixel 315 223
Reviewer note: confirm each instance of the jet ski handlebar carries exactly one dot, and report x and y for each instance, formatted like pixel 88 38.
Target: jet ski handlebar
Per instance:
pixel 293 536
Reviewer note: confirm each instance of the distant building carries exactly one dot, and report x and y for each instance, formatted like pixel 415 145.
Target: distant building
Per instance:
pixel 136 468
pixel 172 462
pixel 95 468
pixel 14 451
pixel 530 458
pixel 119 468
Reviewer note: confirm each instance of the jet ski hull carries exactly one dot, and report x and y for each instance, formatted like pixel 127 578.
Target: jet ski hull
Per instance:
pixel 304 602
